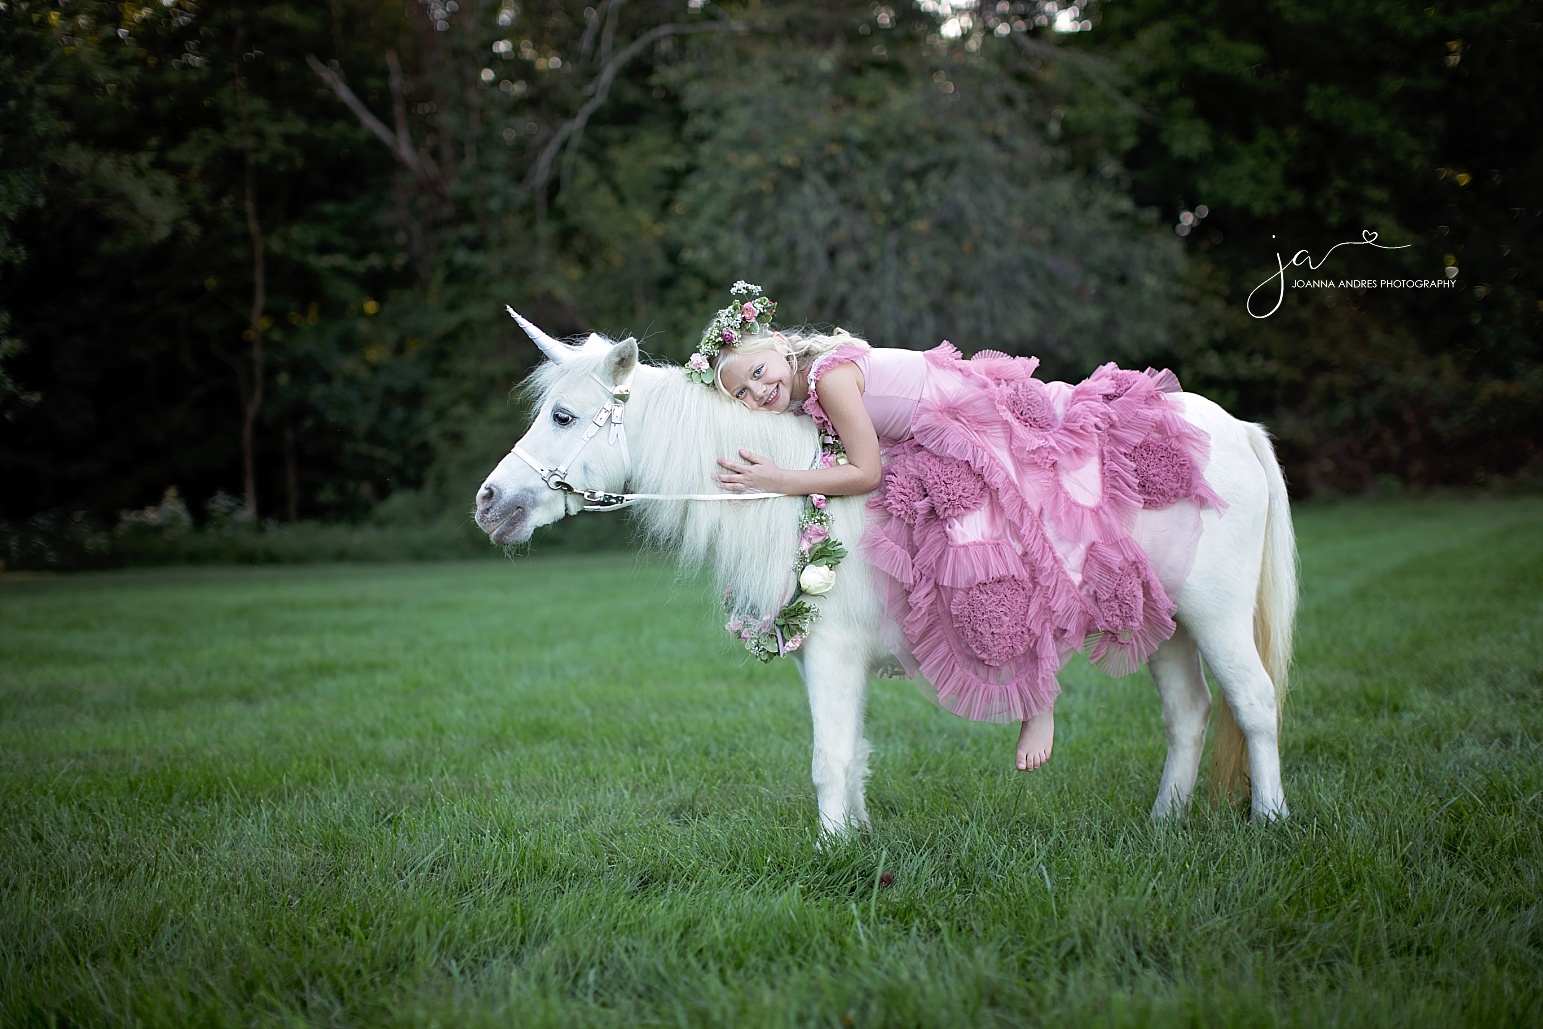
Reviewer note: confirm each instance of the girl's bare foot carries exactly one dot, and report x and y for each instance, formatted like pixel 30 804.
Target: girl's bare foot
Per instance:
pixel 1035 740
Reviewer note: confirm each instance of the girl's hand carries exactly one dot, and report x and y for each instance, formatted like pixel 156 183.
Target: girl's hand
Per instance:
pixel 752 474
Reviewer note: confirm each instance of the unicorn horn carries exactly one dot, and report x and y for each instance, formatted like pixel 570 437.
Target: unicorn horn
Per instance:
pixel 552 348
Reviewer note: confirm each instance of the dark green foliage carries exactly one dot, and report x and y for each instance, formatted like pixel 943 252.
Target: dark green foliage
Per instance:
pixel 1301 125
pixel 27 127
pixel 916 198
pixel 139 279
pixel 614 166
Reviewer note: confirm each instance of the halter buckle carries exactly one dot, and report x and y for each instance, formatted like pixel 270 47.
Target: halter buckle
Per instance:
pixel 553 477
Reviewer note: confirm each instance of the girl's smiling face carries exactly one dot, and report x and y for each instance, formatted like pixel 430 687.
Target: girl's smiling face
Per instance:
pixel 762 380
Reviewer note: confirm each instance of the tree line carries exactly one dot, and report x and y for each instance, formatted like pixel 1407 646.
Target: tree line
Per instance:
pixel 260 250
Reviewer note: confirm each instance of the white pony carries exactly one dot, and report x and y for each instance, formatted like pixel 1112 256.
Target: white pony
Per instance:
pixel 1235 609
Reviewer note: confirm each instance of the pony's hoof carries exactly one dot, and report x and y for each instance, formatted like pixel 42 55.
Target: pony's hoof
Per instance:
pixel 836 835
pixel 1268 815
pixel 1165 814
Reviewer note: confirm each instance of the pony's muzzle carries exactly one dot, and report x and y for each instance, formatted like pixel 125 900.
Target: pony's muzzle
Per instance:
pixel 504 517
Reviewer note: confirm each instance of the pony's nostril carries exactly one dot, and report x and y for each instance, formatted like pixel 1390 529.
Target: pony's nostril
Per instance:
pixel 486 495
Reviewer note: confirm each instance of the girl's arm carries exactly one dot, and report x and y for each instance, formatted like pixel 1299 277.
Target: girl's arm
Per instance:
pixel 841 395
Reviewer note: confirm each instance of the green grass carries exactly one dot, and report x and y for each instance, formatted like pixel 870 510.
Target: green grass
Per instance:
pixel 548 792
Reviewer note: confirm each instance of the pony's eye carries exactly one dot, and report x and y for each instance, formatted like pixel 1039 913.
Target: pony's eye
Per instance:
pixel 562 416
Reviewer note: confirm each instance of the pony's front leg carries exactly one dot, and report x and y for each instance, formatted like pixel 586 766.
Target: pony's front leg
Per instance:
pixel 1175 668
pixel 837 679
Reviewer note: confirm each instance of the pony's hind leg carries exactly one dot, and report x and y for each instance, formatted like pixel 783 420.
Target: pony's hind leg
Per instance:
pixel 1228 647
pixel 1175 667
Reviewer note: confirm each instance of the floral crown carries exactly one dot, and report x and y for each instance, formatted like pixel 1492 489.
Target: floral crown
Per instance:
pixel 748 317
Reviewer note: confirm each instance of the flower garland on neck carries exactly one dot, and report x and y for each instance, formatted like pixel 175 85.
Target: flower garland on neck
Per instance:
pixel 814 574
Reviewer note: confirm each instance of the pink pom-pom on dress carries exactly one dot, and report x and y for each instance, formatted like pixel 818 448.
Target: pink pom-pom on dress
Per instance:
pixel 1002 529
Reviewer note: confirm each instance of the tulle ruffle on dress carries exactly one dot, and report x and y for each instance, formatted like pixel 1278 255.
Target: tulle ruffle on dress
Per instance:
pixel 1002 528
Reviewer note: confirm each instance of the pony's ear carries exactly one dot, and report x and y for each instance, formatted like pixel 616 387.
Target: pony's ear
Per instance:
pixel 620 361
pixel 595 344
pixel 555 350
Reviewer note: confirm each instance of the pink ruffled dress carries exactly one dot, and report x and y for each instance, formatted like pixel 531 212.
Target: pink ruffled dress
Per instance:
pixel 1002 529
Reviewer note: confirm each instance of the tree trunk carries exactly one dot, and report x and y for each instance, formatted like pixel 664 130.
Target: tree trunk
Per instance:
pixel 291 472
pixel 252 400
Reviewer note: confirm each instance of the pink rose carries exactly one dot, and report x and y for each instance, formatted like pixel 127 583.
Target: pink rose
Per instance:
pixel 792 644
pixel 698 362
pixel 729 337
pixel 818 500
pixel 747 313
pixel 826 460
pixel 812 535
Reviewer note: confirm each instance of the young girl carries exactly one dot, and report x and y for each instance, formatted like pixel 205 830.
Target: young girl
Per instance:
pixel 1003 504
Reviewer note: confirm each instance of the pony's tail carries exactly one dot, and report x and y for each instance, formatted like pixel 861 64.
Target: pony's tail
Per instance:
pixel 1275 615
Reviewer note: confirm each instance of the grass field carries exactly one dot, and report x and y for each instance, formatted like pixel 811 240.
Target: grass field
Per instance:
pixel 548 792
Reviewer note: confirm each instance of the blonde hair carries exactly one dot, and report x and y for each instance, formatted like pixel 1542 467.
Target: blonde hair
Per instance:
pixel 800 346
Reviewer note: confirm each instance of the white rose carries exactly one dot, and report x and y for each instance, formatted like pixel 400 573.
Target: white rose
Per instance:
pixel 816 580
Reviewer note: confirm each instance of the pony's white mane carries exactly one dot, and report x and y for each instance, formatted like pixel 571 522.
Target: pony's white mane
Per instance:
pixel 676 431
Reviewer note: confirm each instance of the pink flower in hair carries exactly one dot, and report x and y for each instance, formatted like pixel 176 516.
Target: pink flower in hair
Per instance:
pixel 698 362
pixel 747 313
pixel 818 500
pixel 729 337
